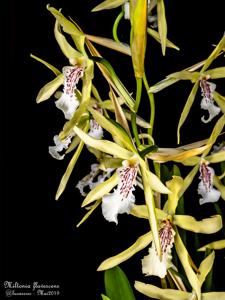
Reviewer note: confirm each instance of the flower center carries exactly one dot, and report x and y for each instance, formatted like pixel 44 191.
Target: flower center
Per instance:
pixel 206 90
pixel 206 176
pixel 72 76
pixel 127 180
pixel 166 236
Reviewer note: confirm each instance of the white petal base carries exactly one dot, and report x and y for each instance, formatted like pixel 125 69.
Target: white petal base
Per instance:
pixel 68 105
pixel 151 264
pixel 211 196
pixel 112 205
pixel 212 109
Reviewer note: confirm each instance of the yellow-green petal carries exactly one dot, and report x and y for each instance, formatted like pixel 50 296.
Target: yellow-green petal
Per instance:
pixel 185 75
pixel 155 292
pixel 213 296
pixel 103 145
pixel 110 162
pixel 150 203
pixel 177 154
pixel 174 185
pixel 187 109
pixel 205 267
pixel 108 4
pixel 219 126
pixel 119 113
pixel 90 211
pixel 216 73
pixel 68 171
pixel 116 131
pixel 220 100
pixel 105 297
pixel 214 54
pixel 142 242
pixel 139 37
pixel 113 79
pixel 156 36
pixel 162 25
pixel 216 245
pixel 101 189
pixel 51 67
pixel 153 181
pixel 66 48
pixel 216 157
pixel 48 90
pixel 219 185
pixel 208 225
pixel 141 211
pixel 69 28
pixel 162 85
pixel 109 43
pixel 188 180
pixel 108 104
pixel 185 260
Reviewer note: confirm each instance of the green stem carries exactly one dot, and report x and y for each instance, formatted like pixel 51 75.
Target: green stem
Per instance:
pixel 136 106
pixel 115 26
pixel 152 104
pixel 163 283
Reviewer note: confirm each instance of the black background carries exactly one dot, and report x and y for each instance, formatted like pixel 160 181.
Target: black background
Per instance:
pixel 40 238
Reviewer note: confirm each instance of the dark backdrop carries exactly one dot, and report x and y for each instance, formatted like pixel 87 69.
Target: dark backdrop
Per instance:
pixel 41 242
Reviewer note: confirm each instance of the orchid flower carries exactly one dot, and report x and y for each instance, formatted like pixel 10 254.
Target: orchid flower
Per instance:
pixel 122 199
pixel 207 103
pixel 68 102
pixel 187 155
pixel 59 146
pixel 207 177
pixel 200 78
pixel 205 187
pixel 152 264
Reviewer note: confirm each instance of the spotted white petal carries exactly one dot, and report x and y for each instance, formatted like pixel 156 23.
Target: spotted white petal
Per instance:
pixel 122 199
pixel 88 180
pixel 96 131
pixel 113 204
pixel 205 187
pixel 151 264
pixel 68 102
pixel 207 103
pixel 59 146
pixel 212 195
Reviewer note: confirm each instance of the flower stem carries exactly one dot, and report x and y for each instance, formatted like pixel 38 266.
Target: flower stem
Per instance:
pixel 136 105
pixel 152 104
pixel 115 26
